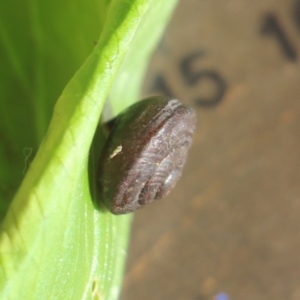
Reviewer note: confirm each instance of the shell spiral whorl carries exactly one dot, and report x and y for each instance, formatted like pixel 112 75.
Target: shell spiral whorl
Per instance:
pixel 145 153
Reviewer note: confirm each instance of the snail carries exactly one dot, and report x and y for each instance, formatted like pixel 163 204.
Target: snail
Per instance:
pixel 145 152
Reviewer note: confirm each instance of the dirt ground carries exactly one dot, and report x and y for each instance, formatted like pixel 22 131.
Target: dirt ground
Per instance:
pixel 230 229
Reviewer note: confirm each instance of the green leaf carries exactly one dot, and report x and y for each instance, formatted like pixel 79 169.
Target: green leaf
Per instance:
pixel 54 244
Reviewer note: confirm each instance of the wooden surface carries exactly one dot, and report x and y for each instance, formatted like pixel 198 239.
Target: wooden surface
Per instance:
pixel 230 229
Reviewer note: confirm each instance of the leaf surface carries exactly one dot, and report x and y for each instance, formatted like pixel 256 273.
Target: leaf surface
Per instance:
pixel 54 244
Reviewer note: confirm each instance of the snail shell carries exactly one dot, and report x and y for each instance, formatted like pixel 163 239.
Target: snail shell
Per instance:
pixel 145 153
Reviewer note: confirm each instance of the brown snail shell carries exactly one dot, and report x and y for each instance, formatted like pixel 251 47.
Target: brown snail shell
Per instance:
pixel 145 153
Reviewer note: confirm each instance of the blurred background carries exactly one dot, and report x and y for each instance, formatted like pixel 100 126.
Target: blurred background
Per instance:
pixel 230 229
